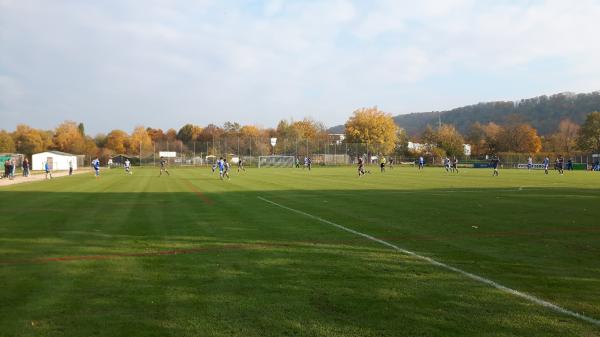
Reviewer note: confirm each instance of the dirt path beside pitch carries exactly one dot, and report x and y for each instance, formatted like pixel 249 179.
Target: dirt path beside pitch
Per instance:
pixel 37 177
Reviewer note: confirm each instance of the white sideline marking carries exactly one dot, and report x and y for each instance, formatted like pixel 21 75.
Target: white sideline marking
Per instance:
pixel 481 279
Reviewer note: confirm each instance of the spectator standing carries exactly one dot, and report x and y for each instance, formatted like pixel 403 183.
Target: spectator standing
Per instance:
pixel 25 168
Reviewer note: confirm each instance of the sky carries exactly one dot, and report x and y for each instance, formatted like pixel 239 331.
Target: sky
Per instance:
pixel 117 64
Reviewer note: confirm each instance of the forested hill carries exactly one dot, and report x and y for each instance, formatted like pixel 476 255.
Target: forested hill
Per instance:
pixel 543 113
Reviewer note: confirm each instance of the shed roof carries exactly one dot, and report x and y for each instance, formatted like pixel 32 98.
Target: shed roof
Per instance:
pixel 58 153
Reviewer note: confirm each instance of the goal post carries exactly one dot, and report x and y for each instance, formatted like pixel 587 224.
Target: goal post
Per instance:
pixel 275 161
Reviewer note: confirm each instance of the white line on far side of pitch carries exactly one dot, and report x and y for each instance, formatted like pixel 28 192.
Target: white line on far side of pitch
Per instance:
pixel 481 279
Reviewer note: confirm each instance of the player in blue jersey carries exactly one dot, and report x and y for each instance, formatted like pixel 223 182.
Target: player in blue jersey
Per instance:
pixel 96 166
pixel 47 168
pixel 222 165
pixel 546 163
pixel 226 167
pixel 421 162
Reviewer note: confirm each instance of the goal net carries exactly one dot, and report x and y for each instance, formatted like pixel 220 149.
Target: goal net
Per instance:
pixel 275 161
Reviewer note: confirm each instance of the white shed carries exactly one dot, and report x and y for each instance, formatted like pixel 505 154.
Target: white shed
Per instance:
pixel 57 160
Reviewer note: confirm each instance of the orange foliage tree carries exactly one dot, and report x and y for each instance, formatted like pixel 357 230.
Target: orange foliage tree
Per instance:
pixel 373 127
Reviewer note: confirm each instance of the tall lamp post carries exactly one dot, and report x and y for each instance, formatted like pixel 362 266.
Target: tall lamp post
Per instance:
pixel 273 142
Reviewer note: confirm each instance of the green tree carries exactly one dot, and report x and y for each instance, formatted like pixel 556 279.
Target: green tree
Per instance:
pixel 100 140
pixel 188 133
pixel 232 128
pixel 589 134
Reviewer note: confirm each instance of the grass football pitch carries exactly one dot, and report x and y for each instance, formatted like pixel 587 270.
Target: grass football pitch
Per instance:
pixel 272 253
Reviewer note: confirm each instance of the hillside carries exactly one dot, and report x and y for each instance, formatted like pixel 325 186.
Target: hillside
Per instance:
pixel 543 112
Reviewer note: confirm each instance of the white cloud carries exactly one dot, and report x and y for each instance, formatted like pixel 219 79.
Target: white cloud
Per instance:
pixel 210 61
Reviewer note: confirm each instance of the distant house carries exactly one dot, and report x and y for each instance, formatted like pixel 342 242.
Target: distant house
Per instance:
pixel 467 149
pixel 416 147
pixel 56 159
pixel 337 138
pixel 119 159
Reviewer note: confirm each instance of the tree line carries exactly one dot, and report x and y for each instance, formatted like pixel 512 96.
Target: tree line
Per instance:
pixel 371 127
pixel 70 137
pixel 512 136
pixel 544 113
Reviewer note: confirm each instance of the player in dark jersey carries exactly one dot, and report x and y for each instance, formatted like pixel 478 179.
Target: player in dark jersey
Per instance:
pixel 240 165
pixel 163 166
pixel 494 163
pixel 560 162
pixel 455 165
pixel 361 167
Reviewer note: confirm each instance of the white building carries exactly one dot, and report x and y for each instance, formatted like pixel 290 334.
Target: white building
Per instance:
pixel 56 159
pixel 337 138
pixel 467 149
pixel 416 147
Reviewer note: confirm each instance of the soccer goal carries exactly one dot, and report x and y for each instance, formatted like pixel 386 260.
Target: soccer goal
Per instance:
pixel 275 161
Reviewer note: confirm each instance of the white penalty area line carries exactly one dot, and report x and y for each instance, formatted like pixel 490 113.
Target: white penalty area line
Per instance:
pixel 481 279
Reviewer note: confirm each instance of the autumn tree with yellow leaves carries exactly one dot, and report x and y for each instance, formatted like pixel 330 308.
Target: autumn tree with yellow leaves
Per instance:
pixel 373 127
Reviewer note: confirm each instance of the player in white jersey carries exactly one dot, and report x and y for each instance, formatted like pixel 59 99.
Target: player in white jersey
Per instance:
pixel 227 168
pixel 128 166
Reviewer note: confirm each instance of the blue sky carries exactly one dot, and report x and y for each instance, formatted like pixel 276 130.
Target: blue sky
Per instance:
pixel 118 64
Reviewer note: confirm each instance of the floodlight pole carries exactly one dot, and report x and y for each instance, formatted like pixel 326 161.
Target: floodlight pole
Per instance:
pixel 307 146
pixel 273 143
